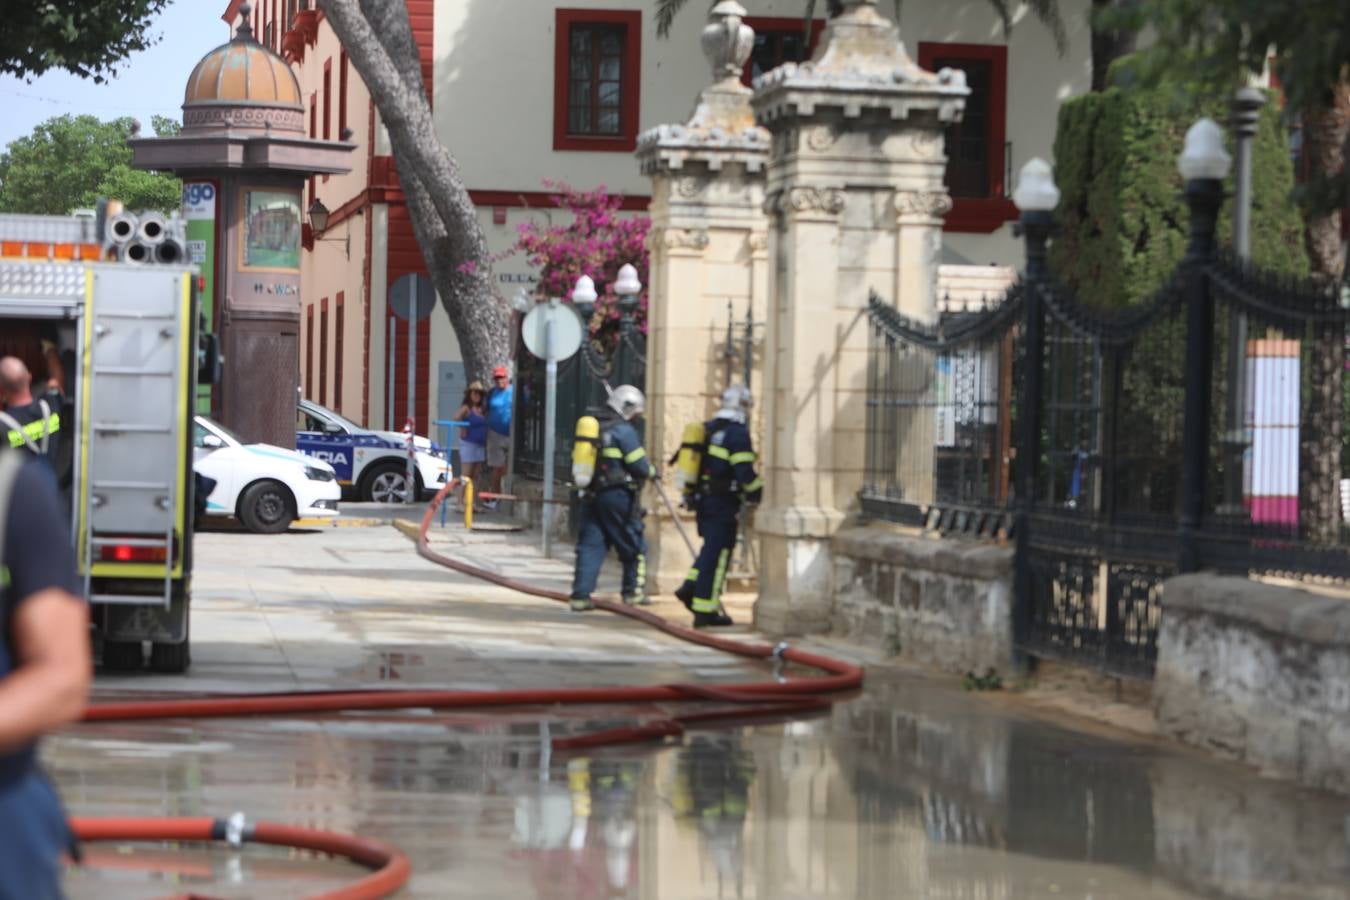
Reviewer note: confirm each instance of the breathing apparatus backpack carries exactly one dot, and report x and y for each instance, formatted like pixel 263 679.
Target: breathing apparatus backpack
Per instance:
pixel 688 460
pixel 584 450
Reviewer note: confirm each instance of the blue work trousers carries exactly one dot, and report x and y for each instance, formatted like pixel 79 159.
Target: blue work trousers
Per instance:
pixel 608 520
pixel 33 838
pixel 717 525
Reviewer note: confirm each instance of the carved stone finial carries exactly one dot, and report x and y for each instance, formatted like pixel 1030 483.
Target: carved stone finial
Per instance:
pixel 245 30
pixel 727 40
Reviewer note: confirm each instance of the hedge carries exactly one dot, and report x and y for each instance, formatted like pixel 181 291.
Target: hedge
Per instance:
pixel 1122 218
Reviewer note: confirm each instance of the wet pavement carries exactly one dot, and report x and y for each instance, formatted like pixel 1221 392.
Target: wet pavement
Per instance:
pixel 914 789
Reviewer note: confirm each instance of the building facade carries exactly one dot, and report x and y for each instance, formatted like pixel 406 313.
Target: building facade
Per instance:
pixel 583 80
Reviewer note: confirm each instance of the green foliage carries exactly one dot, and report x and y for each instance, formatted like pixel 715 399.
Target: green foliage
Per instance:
pixel 1122 218
pixel 1216 43
pixel 989 681
pixel 71 161
pixel 165 126
pixel 85 37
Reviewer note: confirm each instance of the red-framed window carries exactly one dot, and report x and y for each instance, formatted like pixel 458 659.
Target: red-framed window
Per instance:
pixel 323 351
pixel 977 154
pixel 342 94
pixel 309 351
pixel 778 40
pixel 597 68
pixel 338 328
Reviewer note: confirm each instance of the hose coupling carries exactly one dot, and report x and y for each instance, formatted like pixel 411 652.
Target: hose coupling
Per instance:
pixel 236 826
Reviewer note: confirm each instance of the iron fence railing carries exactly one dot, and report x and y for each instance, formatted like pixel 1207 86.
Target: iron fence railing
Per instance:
pixel 938 417
pixel 1203 427
pixel 582 381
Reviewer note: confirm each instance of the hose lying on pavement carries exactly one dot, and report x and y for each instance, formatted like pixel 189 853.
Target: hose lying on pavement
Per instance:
pixel 783 696
pixel 390 868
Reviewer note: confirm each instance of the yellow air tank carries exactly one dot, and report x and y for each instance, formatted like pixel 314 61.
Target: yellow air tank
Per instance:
pixel 584 450
pixel 690 457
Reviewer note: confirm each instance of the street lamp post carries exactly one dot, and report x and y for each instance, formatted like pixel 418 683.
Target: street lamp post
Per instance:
pixel 1204 164
pixel 1036 197
pixel 1246 117
pixel 629 288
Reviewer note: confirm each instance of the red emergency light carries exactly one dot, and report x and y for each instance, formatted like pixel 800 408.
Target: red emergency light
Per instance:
pixel 130 553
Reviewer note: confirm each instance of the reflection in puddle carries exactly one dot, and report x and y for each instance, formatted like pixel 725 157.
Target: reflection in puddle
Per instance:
pixel 913 790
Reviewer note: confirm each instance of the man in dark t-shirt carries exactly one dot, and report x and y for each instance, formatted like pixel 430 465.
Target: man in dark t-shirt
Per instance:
pixel 32 421
pixel 45 671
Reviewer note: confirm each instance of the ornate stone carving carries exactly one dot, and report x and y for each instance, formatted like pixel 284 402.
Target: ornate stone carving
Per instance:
pixel 690 187
pixel 727 40
pixel 809 199
pixel 821 137
pixel 758 241
pixel 722 128
pixel 683 238
pixel 922 204
pixel 241 116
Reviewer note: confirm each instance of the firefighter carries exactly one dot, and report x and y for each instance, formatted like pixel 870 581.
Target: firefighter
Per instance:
pixel 611 514
pixel 32 421
pixel 726 479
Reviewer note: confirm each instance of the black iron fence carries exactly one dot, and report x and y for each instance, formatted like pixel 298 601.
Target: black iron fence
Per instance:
pixel 939 416
pixel 1203 427
pixel 581 390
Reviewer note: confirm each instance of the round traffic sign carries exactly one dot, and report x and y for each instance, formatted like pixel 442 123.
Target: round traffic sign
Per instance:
pixel 412 296
pixel 567 330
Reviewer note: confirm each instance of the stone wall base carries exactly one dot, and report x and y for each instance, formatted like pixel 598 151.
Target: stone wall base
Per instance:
pixel 1258 673
pixel 942 602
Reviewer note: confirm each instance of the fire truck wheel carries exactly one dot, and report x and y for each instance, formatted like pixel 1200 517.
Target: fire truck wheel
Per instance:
pixel 122 656
pixel 267 508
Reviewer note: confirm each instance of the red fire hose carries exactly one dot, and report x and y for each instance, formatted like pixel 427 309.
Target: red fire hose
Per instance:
pixel 390 867
pixel 782 697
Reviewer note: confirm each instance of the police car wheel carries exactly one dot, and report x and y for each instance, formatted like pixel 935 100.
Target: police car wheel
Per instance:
pixel 387 483
pixel 267 508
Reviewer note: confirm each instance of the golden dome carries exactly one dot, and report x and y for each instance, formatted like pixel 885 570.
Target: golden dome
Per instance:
pixel 243 72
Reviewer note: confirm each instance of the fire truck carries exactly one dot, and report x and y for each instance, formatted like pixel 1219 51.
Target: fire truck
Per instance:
pixel 111 298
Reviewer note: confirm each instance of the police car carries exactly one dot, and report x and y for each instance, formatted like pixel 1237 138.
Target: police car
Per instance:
pixel 266 487
pixel 371 464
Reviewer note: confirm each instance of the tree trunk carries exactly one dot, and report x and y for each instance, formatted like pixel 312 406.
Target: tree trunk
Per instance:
pixel 378 38
pixel 1326 130
pixel 1107 45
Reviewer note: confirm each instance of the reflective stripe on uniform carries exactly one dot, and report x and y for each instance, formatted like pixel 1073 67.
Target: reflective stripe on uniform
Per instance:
pixel 692 576
pixel 720 576
pixel 703 605
pixel 717 452
pixel 745 456
pixel 612 453
pixel 635 456
pixel 641 572
pixel 753 486
pixel 35 431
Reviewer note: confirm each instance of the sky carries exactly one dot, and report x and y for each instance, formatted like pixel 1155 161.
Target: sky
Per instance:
pixel 148 83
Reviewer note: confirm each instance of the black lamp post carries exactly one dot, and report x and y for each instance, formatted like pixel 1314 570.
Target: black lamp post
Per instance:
pixel 629 288
pixel 1204 164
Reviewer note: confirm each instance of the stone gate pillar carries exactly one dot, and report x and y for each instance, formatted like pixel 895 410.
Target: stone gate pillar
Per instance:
pixel 856 198
pixel 708 248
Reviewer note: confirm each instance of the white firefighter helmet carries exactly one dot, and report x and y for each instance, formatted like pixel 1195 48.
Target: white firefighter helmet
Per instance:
pixel 627 401
pixel 736 403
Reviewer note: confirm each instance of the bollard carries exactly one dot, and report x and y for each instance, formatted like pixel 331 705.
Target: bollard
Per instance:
pixel 468 504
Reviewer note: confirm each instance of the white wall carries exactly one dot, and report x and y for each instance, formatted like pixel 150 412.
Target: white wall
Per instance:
pixel 494 71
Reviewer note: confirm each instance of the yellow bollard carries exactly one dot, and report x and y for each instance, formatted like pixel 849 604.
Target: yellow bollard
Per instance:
pixel 468 503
